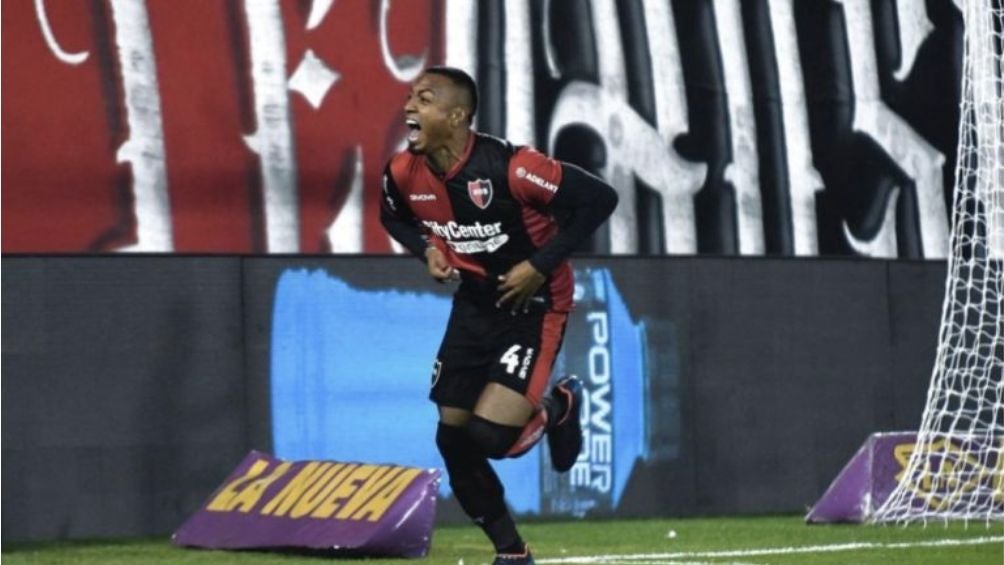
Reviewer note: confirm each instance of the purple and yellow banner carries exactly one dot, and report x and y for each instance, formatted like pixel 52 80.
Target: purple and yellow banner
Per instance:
pixel 326 505
pixel 880 464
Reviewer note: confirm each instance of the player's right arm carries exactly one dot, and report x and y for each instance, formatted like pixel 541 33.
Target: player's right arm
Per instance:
pixel 399 221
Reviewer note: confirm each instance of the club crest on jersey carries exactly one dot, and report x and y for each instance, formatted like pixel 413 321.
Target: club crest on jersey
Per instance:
pixel 481 192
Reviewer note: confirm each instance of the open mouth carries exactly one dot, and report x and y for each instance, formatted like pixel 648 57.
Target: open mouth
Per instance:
pixel 413 129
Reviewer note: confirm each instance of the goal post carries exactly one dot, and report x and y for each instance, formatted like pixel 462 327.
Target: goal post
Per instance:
pixel 956 470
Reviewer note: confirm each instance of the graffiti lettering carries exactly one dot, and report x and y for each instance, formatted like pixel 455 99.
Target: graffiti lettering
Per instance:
pixel 724 127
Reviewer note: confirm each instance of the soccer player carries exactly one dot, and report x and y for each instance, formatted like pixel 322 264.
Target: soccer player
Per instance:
pixel 502 219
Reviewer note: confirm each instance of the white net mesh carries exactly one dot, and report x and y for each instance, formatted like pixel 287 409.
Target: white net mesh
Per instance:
pixel 956 470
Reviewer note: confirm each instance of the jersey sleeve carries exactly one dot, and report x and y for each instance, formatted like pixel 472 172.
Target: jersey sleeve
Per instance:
pixel 534 178
pixel 581 204
pixel 398 219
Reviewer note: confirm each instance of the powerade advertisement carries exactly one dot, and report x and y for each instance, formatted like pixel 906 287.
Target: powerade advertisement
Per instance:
pixel 351 360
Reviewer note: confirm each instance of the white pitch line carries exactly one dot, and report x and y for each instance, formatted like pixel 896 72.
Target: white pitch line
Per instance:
pixel 637 559
pixel 674 562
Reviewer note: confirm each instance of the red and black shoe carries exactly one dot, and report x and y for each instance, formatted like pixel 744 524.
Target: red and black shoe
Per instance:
pixel 525 558
pixel 564 438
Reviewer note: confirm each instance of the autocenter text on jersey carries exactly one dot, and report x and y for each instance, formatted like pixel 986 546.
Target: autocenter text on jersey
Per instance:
pixel 453 230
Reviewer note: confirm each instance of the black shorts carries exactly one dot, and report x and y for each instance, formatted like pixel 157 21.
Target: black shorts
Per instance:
pixel 486 344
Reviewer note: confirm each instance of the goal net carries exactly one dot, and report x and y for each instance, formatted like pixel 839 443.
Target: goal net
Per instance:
pixel 956 470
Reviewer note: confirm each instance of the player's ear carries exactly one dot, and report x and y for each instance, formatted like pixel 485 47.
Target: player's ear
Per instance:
pixel 456 116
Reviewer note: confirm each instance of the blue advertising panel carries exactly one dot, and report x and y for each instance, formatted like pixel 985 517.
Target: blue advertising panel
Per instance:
pixel 351 367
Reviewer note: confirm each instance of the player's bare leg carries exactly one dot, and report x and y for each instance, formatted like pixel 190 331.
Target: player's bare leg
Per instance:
pixel 454 416
pixel 504 406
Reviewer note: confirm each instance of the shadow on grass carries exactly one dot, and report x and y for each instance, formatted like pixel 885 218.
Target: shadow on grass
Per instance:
pixel 49 545
pixel 164 543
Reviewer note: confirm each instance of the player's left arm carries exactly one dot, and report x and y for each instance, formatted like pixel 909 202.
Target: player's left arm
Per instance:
pixel 581 201
pixel 584 202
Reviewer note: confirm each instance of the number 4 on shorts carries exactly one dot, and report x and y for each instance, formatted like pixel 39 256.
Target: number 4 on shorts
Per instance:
pixel 511 359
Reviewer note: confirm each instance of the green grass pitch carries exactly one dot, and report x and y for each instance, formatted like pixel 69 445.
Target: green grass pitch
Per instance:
pixel 735 541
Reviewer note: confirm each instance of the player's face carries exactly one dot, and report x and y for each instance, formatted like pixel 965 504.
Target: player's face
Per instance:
pixel 430 113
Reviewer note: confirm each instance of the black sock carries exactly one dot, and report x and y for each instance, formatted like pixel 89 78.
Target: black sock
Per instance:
pixel 504 536
pixel 477 488
pixel 555 408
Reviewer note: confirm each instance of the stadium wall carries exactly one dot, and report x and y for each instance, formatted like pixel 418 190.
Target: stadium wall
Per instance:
pixel 123 392
pixel 751 127
pixel 132 385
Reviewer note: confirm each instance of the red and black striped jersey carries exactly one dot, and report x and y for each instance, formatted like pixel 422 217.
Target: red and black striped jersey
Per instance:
pixel 488 213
